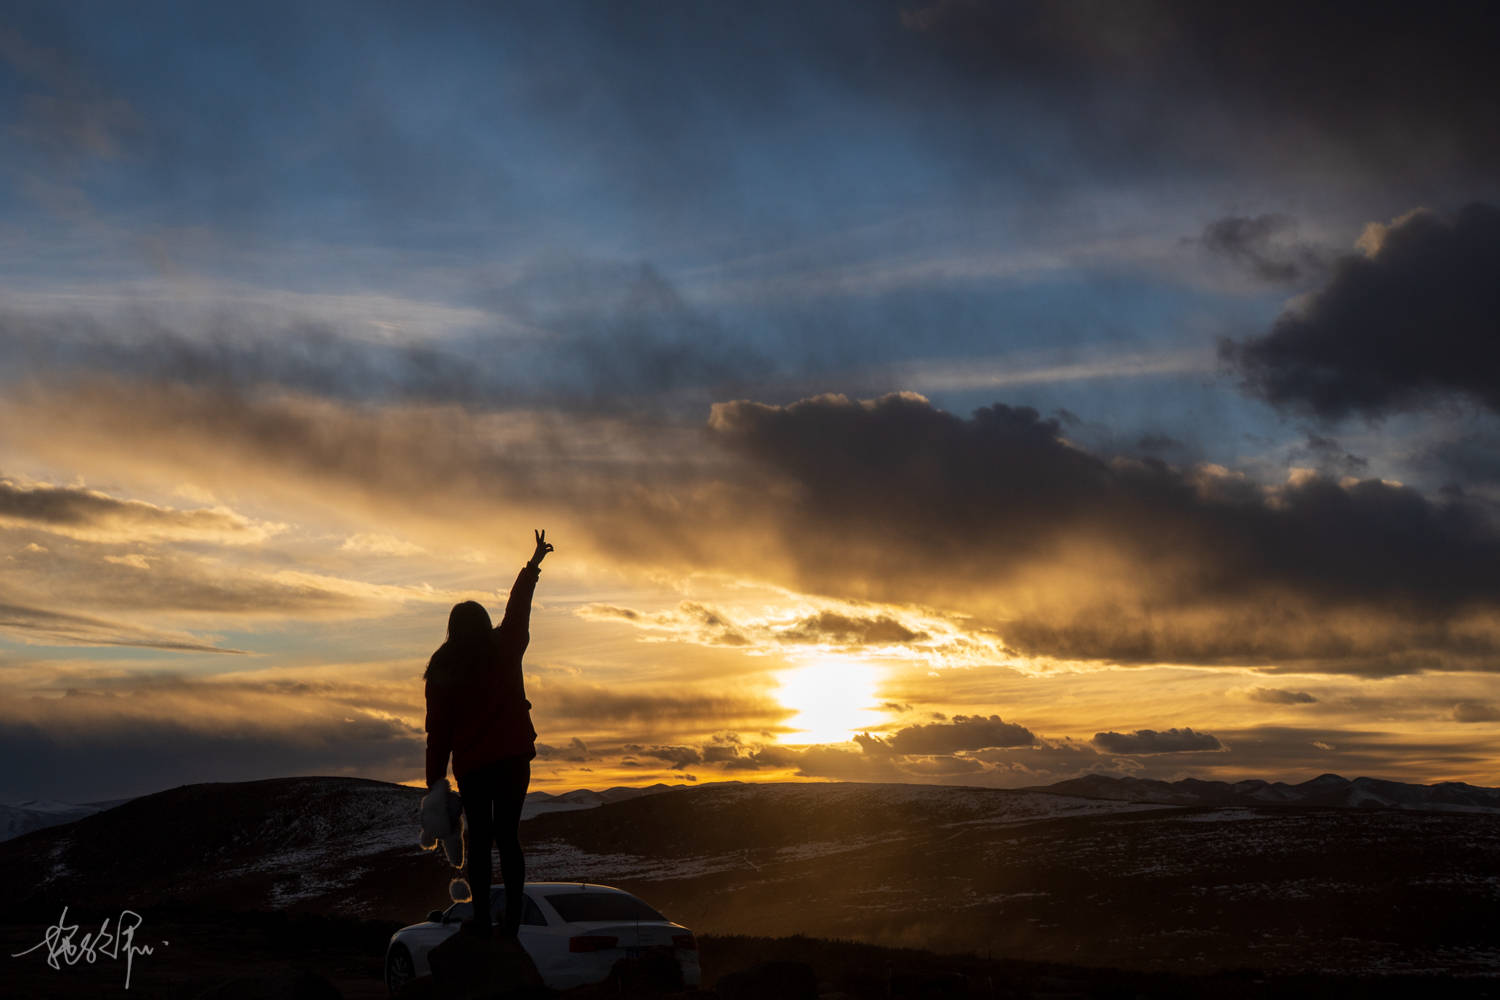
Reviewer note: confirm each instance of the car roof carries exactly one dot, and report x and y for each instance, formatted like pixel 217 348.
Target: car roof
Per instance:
pixel 553 888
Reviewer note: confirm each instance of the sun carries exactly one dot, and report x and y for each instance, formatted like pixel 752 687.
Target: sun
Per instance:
pixel 833 699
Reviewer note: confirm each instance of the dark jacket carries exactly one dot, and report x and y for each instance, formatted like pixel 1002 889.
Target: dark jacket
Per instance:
pixel 487 717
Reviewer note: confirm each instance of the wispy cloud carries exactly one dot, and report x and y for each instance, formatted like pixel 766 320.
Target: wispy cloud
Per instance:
pixel 1001 373
pixel 53 627
pixel 93 514
pixel 806 623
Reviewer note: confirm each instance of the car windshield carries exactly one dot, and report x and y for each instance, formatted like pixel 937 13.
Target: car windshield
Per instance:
pixel 581 907
pixel 462 911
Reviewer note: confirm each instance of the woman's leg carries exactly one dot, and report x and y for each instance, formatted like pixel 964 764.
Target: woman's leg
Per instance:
pixel 477 790
pixel 511 782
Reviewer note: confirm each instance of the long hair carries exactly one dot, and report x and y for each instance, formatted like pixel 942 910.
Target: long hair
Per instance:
pixel 469 646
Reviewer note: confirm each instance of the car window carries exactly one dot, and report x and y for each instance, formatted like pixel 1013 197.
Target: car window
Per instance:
pixel 580 907
pixel 529 914
pixel 532 915
pixel 458 911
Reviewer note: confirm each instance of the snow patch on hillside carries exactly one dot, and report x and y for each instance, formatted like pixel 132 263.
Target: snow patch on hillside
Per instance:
pixel 1232 814
pixel 17 818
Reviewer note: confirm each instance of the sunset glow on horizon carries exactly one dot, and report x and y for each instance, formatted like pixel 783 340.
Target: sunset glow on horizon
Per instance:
pixel 833 699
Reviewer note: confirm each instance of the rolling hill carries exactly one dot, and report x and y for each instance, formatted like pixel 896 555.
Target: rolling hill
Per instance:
pixel 1330 875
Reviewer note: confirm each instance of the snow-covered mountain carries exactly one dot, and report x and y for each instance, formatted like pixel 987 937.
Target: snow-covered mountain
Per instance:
pixel 21 817
pixel 583 798
pixel 1328 790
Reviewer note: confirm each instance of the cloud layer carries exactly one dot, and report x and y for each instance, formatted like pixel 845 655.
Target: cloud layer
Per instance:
pixel 1409 323
pixel 1087 556
pixel 962 733
pixel 93 513
pixel 1144 742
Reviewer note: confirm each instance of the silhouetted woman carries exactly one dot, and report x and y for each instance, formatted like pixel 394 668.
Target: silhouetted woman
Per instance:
pixel 477 710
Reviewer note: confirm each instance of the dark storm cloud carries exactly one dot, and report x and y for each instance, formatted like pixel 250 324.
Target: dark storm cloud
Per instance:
pixel 1415 321
pixel 678 757
pixel 873 745
pixel 44 626
pixel 1471 458
pixel 756 758
pixel 942 766
pixel 613 611
pixel 575 752
pixel 1052 760
pixel 1476 711
pixel 725 747
pixel 1279 696
pixel 70 507
pixel 1264 245
pixel 965 732
pixel 1149 741
pixel 1388 88
pixel 829 626
pixel 1142 561
pixel 734 752
pixel 1328 458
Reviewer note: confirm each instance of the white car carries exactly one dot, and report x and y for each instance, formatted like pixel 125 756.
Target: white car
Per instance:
pixel 576 932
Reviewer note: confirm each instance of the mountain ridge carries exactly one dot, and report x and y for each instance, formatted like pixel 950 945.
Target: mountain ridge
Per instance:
pixel 1329 790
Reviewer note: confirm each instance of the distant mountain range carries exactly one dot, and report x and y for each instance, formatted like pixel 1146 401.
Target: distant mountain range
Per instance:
pixel 17 818
pixel 1326 790
pixel 582 798
pixel 1186 875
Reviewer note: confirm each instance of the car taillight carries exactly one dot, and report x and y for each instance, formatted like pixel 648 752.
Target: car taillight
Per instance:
pixel 685 941
pixel 592 942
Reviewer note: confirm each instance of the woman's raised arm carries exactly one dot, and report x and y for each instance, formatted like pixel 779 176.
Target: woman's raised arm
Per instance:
pixel 518 606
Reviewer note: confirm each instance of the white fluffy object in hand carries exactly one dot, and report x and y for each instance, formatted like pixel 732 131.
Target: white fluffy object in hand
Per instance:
pixel 442 820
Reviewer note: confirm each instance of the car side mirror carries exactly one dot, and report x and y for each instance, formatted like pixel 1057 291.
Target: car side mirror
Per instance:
pixel 436 916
